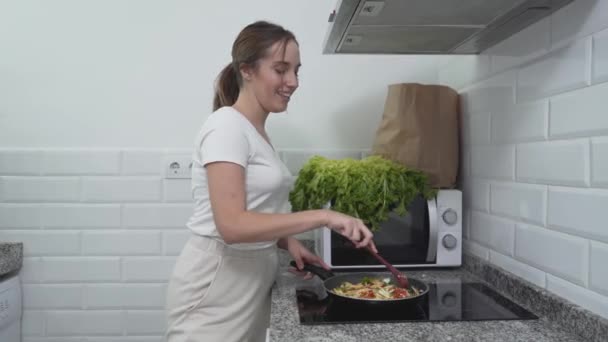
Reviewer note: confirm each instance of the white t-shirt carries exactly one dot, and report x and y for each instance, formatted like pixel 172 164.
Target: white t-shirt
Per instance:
pixel 227 135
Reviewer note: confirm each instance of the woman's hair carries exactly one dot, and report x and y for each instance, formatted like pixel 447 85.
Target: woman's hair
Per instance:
pixel 250 45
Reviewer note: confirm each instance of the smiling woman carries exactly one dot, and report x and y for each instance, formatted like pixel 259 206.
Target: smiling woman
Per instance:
pixel 220 286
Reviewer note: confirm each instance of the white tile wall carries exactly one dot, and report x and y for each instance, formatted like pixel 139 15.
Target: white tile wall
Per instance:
pixel 524 202
pixel 66 323
pixel 600 57
pixel 87 162
pixel 20 162
pixel 578 212
pixel 579 295
pixel 523 122
pixel 80 216
pixel 599 162
pixel 579 113
pixel 496 162
pixel 559 71
pixel 102 230
pixel 546 160
pixel 554 252
pixel 40 189
pixel 492 232
pixel 131 189
pixel 52 296
pixel 529 273
pixel 599 276
pixel 558 162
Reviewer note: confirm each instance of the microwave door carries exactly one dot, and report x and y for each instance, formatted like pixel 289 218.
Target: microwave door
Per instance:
pixel 433 231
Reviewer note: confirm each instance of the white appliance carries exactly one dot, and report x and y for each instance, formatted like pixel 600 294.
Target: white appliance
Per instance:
pixel 10 309
pixel 429 235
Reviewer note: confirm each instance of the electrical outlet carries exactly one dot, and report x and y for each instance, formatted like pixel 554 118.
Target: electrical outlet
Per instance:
pixel 178 166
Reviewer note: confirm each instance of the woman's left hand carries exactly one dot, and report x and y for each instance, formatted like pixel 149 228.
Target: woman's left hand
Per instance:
pixel 301 255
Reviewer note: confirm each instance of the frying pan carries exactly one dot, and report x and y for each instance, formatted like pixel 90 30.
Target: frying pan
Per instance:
pixel 331 281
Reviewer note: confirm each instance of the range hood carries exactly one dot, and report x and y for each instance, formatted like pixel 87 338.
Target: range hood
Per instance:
pixel 429 26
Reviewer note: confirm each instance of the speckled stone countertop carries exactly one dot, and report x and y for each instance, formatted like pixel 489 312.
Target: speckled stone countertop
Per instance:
pixel 285 325
pixel 11 257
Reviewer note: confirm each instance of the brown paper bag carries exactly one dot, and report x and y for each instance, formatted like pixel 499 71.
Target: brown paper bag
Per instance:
pixel 419 129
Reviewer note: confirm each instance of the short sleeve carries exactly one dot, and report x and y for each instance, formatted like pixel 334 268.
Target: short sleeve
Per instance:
pixel 224 143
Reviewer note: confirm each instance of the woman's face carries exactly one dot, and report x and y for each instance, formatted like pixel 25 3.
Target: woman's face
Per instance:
pixel 275 78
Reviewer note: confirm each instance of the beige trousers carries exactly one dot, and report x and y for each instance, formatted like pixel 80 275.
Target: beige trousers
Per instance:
pixel 218 293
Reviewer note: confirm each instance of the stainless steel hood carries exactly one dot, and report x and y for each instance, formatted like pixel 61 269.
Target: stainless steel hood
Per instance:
pixel 429 26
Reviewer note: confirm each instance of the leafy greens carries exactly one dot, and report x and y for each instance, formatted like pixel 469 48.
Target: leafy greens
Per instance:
pixel 368 189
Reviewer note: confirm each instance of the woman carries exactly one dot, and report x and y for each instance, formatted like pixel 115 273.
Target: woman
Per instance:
pixel 220 287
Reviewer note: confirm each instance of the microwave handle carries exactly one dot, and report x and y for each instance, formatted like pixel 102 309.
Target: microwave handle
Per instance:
pixel 433 231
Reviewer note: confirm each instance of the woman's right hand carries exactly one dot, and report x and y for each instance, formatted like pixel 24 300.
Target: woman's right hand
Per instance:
pixel 351 228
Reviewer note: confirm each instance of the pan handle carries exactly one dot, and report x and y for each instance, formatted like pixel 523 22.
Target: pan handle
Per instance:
pixel 316 270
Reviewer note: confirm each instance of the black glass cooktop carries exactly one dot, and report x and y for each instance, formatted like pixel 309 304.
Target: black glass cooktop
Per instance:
pixel 446 301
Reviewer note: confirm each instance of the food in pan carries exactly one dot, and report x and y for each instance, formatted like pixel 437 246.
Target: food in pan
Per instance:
pixel 374 288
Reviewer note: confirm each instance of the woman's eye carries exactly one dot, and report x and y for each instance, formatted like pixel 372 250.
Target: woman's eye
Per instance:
pixel 280 71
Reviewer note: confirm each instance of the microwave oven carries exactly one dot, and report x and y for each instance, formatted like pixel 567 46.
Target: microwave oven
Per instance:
pixel 428 235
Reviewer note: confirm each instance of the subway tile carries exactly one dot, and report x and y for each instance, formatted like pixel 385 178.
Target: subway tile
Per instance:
pixel 124 189
pixel 156 215
pixel 519 201
pixel 476 129
pixel 20 162
pixel 177 190
pixel 477 194
pixel 462 71
pixel 120 243
pixel 578 212
pixel 80 162
pixel 45 243
pixel 531 42
pixel 476 249
pixel 32 323
pixel 174 241
pixel 142 162
pixel 579 113
pixel 599 162
pixel 559 71
pixel 80 269
pixel 20 216
pixel 578 19
pixel 522 270
pixel 520 123
pixel 492 232
pixel 600 57
pixel 495 92
pixel 555 162
pixel 598 276
pixel 46 296
pixel 80 215
pixel 40 189
pixel 126 296
pixel 32 270
pixel 495 162
pixel 578 295
pixel 554 252
pixel 147 269
pixel 66 323
pixel 146 322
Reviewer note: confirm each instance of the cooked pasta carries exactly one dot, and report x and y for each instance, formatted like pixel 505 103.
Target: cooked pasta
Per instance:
pixel 373 288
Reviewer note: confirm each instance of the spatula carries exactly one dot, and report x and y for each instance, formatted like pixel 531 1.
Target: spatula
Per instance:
pixel 400 277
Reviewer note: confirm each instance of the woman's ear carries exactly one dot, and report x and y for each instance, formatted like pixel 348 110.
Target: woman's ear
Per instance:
pixel 246 71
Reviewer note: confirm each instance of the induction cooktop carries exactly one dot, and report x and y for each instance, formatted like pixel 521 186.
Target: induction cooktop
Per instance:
pixel 446 301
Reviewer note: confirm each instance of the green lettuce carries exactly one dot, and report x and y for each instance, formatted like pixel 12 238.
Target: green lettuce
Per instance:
pixel 368 189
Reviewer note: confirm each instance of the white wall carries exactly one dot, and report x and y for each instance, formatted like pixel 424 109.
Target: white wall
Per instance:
pixel 96 95
pixel 139 73
pixel 535 158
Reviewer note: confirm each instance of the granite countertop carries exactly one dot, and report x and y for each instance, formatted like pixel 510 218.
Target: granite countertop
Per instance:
pixel 11 257
pixel 285 325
